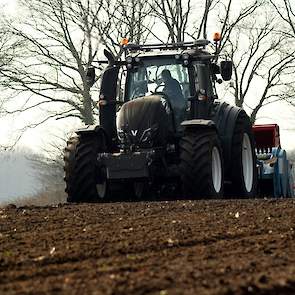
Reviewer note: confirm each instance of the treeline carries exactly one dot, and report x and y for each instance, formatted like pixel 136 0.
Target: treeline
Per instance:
pixel 27 177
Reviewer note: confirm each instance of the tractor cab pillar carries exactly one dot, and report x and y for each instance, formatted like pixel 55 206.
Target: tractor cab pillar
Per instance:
pixel 107 103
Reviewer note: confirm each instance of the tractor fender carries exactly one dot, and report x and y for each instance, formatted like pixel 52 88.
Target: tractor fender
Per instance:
pixel 89 129
pixel 92 131
pixel 225 117
pixel 195 123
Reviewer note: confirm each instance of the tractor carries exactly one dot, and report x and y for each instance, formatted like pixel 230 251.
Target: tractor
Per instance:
pixel 162 128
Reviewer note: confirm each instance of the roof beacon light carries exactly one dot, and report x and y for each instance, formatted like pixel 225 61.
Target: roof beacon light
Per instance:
pixel 124 41
pixel 216 37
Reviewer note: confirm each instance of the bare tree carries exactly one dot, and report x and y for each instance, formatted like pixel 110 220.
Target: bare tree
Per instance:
pixel 185 18
pixel 209 6
pixel 124 18
pixel 8 49
pixel 48 168
pixel 182 18
pixel 58 47
pixel 229 21
pixel 174 14
pixel 265 66
pixel 60 41
pixel 286 11
pixel 4 45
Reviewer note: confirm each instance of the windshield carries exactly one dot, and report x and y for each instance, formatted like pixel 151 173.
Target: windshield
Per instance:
pixel 147 79
pixel 162 76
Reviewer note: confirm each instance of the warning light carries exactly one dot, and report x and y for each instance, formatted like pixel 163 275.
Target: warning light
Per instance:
pixel 124 41
pixel 102 102
pixel 202 97
pixel 216 37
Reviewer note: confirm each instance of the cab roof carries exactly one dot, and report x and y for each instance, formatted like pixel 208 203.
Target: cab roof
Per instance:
pixel 193 48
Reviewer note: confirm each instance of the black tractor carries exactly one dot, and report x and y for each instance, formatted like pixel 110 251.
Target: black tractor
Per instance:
pixel 162 128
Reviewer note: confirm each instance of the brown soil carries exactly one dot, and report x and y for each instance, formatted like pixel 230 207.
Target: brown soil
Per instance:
pixel 176 247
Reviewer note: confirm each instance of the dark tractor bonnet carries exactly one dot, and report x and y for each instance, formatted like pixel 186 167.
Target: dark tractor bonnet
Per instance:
pixel 145 122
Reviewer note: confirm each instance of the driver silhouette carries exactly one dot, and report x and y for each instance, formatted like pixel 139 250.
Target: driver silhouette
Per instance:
pixel 173 90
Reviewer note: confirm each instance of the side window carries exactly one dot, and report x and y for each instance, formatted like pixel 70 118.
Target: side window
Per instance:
pixel 146 79
pixel 196 79
pixel 138 82
pixel 203 81
pixel 121 84
pixel 180 73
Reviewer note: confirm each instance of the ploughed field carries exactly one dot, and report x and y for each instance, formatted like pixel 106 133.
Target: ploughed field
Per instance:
pixel 175 247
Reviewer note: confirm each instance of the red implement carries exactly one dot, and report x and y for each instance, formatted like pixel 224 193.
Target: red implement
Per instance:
pixel 267 136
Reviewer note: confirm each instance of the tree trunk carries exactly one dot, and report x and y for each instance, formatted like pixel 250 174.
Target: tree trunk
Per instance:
pixel 87 113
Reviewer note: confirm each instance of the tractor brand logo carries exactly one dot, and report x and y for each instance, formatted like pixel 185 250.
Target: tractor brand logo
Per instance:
pixel 134 132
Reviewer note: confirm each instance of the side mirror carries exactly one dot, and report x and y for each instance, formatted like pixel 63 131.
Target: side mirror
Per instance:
pixel 110 57
pixel 109 81
pixel 90 76
pixel 226 69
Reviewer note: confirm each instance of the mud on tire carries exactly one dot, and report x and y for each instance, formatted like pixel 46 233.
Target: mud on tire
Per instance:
pixel 201 164
pixel 81 171
pixel 69 160
pixel 243 172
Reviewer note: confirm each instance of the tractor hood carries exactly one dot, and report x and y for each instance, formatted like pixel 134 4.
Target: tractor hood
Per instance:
pixel 145 122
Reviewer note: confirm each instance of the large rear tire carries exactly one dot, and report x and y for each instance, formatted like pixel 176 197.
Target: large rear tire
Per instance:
pixel 243 171
pixel 201 164
pixel 84 179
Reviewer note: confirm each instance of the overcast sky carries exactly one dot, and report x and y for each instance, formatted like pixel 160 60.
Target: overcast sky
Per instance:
pixel 10 5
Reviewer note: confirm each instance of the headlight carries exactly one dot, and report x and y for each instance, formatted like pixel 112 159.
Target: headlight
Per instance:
pixel 121 135
pixel 129 59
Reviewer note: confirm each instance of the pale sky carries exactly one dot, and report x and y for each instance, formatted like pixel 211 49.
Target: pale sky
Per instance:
pixel 10 5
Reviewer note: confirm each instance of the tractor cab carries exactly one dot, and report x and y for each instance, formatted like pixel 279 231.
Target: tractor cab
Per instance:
pixel 183 74
pixel 180 78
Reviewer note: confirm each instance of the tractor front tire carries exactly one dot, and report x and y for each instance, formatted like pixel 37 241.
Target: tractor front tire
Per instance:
pixel 201 164
pixel 84 180
pixel 70 160
pixel 243 171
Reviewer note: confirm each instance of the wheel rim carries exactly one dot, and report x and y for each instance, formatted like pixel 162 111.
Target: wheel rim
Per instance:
pixel 247 160
pixel 216 169
pixel 101 189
